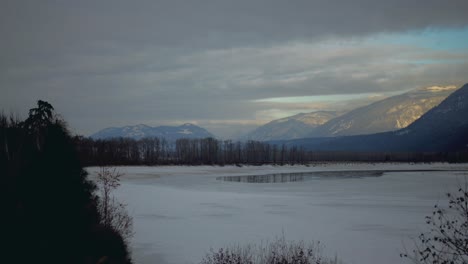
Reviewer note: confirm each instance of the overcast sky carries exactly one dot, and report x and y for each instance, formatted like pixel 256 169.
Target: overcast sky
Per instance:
pixel 225 65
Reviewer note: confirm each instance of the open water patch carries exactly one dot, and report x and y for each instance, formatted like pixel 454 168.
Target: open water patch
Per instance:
pixel 301 176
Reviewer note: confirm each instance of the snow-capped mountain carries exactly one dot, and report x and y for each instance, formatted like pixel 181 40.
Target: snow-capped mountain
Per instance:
pixel 443 128
pixel 390 114
pixel 297 126
pixel 170 133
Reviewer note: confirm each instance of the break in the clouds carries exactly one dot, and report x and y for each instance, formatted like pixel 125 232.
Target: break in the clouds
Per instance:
pixel 225 65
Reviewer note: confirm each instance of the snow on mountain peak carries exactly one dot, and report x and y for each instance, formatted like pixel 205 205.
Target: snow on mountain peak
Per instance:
pixel 185 132
pixel 436 88
pixel 170 133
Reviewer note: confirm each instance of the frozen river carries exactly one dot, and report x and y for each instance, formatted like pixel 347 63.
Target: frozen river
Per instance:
pixel 363 213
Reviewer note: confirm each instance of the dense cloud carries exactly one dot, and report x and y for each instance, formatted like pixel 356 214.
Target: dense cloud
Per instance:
pixel 104 63
pixel 213 24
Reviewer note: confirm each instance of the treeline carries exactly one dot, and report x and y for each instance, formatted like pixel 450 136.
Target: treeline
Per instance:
pixel 346 156
pixel 49 207
pixel 209 151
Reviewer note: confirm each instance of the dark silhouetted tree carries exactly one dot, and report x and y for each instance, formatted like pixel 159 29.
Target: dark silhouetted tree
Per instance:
pixel 49 211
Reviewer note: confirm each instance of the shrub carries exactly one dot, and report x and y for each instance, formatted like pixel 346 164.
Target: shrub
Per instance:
pixel 446 242
pixel 280 251
pixel 113 213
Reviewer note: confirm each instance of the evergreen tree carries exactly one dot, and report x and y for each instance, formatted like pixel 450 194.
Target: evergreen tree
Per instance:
pixel 51 214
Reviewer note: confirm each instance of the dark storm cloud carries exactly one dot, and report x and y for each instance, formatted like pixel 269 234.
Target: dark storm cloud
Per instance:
pixel 105 63
pixel 210 23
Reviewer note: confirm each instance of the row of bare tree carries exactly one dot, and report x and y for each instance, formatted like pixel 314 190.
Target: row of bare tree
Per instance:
pixel 207 151
pixel 210 151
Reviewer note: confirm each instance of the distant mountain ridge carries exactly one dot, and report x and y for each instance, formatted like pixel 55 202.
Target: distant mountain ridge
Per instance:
pixel 297 126
pixel 389 114
pixel 170 133
pixel 443 128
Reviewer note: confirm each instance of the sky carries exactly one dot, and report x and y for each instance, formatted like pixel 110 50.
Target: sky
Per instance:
pixel 227 66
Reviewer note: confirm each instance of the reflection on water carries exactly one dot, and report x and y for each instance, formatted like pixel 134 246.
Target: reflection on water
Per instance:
pixel 302 176
pixel 269 178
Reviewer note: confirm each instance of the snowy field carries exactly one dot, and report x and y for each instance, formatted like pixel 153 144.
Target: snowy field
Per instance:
pixel 181 212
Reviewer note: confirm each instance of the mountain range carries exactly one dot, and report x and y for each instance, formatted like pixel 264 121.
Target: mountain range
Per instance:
pixel 430 119
pixel 170 133
pixel 297 126
pixel 389 114
pixel 443 128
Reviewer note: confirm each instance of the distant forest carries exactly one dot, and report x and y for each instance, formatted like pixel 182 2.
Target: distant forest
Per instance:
pixel 210 151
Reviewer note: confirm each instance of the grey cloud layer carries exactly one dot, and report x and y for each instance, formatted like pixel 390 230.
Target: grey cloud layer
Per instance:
pixel 208 23
pixel 105 63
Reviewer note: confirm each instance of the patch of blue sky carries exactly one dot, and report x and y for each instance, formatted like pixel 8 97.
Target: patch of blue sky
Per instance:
pixel 447 39
pixel 433 61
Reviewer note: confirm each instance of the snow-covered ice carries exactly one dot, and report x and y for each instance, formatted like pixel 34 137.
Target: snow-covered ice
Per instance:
pixel 181 212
